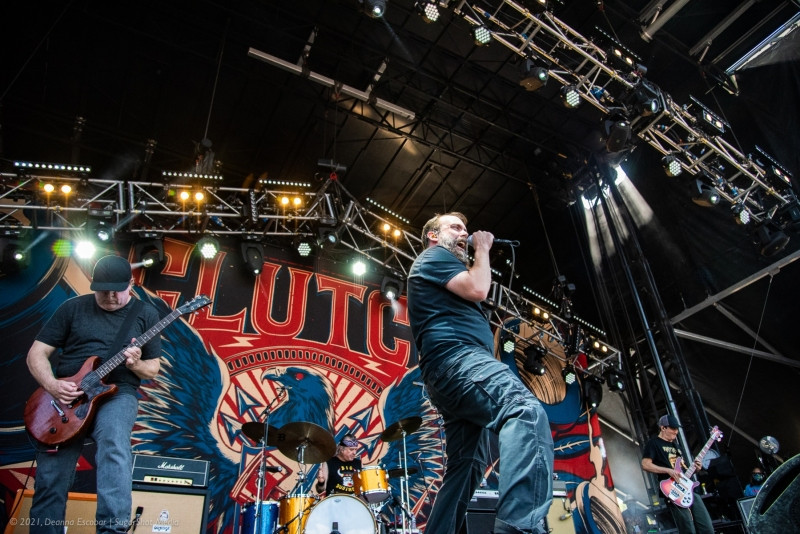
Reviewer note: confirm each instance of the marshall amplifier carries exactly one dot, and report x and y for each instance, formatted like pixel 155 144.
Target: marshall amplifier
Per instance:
pixel 170 471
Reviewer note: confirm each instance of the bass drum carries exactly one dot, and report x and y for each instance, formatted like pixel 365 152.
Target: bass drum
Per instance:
pixel 349 513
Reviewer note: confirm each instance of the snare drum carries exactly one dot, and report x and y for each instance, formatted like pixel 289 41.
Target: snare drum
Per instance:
pixel 266 521
pixel 351 515
pixel 294 511
pixel 372 484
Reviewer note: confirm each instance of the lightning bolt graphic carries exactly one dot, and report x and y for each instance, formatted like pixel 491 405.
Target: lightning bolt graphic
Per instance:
pixel 373 366
pixel 241 342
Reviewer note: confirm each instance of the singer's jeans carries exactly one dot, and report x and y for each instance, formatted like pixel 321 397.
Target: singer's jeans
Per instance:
pixel 475 394
pixel 55 472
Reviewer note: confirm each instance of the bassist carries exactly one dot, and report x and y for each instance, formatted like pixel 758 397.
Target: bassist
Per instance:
pixel 85 326
pixel 661 457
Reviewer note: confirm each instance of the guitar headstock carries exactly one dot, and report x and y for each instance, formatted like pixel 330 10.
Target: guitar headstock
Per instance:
pixel 716 433
pixel 195 304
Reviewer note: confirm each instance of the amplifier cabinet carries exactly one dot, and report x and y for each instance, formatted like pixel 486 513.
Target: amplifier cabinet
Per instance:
pixel 169 509
pixel 79 519
pixel 170 471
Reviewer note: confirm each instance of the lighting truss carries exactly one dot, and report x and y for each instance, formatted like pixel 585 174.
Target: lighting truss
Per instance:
pixel 692 133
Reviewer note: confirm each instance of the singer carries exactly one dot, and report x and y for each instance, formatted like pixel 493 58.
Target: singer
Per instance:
pixel 475 393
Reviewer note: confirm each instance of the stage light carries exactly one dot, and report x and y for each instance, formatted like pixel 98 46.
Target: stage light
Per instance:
pixel 741 214
pixel 208 247
pixel 534 356
pixel 85 249
pixel 539 313
pixel 508 342
pixel 592 392
pixel 672 165
pixel 375 8
pixel 149 250
pixel 570 96
pixel 359 268
pixel 569 375
pixel 13 256
pixel 770 239
pixel 533 76
pixel 482 35
pixel 618 134
pixel 615 380
pixel 391 288
pixel 253 255
pixel 706 120
pixel 328 237
pixel 704 195
pixel 428 10
pixel 303 245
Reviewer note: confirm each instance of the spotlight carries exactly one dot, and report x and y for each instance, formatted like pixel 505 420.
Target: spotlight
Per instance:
pixel 568 373
pixel 99 224
pixel 770 239
pixel 570 96
pixel 740 214
pixel 391 288
pixel 707 120
pixel 375 8
pixel 327 237
pixel 208 247
pixel 428 10
pixel 592 392
pixel 482 35
pixel 359 268
pixel 253 255
pixel 533 77
pixel 672 165
pixel 533 360
pixel 618 134
pixel 704 195
pixel 507 342
pixel 614 380
pixel 85 249
pixel 150 251
pixel 303 245
pixel 13 257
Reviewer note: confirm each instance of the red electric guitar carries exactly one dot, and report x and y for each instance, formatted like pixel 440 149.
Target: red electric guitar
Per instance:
pixel 54 423
pixel 682 492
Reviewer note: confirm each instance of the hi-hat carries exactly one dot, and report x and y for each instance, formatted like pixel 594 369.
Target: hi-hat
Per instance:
pixel 395 431
pixel 398 472
pixel 319 444
pixel 255 431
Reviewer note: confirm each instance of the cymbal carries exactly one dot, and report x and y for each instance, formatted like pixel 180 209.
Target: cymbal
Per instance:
pixel 319 444
pixel 395 431
pixel 255 431
pixel 398 472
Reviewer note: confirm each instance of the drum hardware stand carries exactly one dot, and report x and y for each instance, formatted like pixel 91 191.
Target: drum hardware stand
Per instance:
pixel 262 468
pixel 405 498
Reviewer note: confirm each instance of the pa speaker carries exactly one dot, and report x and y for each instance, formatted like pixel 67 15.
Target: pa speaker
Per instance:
pixel 776 509
pixel 169 509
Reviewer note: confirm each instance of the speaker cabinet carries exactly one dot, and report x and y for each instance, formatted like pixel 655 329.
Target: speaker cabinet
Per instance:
pixel 776 509
pixel 479 522
pixel 169 509
pixel 79 519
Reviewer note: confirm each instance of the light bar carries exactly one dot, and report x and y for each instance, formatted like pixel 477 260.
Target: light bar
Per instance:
pixel 58 167
pixel 192 175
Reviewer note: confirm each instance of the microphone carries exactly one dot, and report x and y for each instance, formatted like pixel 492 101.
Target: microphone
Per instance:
pixel 509 242
pixel 273 469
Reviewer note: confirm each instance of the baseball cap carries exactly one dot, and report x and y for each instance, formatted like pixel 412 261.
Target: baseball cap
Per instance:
pixel 111 273
pixel 669 420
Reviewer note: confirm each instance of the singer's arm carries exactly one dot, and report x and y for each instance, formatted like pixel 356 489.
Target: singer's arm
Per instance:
pixel 474 283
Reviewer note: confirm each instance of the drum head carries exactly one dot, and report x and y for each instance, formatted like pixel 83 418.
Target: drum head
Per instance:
pixel 351 515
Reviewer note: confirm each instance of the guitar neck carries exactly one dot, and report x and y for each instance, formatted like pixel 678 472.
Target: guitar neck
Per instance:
pixel 113 362
pixel 700 455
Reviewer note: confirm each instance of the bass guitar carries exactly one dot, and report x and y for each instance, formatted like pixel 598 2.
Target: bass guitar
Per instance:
pixel 54 423
pixel 682 492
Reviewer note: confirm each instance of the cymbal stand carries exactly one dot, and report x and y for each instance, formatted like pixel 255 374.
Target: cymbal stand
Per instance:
pixel 262 467
pixel 405 498
pixel 301 478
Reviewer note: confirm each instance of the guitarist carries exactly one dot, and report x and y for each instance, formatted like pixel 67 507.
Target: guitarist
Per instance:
pixel 661 457
pixel 84 326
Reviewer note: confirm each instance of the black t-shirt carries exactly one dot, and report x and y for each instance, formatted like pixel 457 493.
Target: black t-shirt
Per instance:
pixel 441 321
pixel 81 328
pixel 663 454
pixel 341 476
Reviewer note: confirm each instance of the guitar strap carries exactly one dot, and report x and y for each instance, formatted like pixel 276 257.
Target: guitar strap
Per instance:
pixel 120 341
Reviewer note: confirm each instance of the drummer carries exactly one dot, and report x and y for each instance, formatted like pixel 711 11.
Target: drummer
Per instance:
pixel 337 474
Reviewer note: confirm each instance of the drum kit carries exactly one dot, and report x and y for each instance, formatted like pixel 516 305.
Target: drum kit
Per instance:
pixel 305 513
